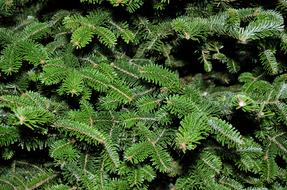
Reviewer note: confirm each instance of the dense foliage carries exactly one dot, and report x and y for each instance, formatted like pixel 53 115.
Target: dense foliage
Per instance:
pixel 133 94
